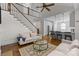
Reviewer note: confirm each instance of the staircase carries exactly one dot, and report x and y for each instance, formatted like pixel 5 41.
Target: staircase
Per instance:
pixel 17 12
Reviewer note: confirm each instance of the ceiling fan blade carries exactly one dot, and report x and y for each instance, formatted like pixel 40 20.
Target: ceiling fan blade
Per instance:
pixel 44 4
pixel 47 8
pixel 42 9
pixel 52 4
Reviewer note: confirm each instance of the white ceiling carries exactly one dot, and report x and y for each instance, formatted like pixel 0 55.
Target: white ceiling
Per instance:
pixel 58 8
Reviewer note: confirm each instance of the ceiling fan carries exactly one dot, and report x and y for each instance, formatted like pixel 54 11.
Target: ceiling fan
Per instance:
pixel 45 6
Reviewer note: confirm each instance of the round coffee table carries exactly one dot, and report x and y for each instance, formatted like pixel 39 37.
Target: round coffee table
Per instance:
pixel 40 45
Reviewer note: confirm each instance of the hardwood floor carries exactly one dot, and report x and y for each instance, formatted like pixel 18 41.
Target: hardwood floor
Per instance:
pixel 11 47
pixel 15 47
pixel 52 40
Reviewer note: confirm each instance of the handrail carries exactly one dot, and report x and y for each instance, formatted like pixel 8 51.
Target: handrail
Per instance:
pixel 24 15
pixel 27 7
pixel 28 10
pixel 31 15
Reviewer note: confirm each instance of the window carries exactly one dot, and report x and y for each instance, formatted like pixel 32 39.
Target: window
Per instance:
pixel 63 26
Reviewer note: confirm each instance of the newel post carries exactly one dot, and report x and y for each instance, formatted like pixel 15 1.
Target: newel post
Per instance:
pixel 37 31
pixel 9 7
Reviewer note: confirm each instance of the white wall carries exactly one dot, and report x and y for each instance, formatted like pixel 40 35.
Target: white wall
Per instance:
pixel 10 28
pixel 65 18
pixel 57 26
pixel 60 18
pixel 77 24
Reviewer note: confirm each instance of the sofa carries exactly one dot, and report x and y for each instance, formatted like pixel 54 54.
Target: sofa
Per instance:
pixel 66 48
pixel 28 38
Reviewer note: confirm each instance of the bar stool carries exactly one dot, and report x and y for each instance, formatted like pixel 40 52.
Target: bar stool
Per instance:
pixel 59 36
pixel 68 36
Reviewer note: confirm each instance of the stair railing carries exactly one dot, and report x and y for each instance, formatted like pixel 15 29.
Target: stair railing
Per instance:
pixel 8 7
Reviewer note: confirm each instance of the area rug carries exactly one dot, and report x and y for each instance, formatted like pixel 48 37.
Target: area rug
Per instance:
pixel 29 51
